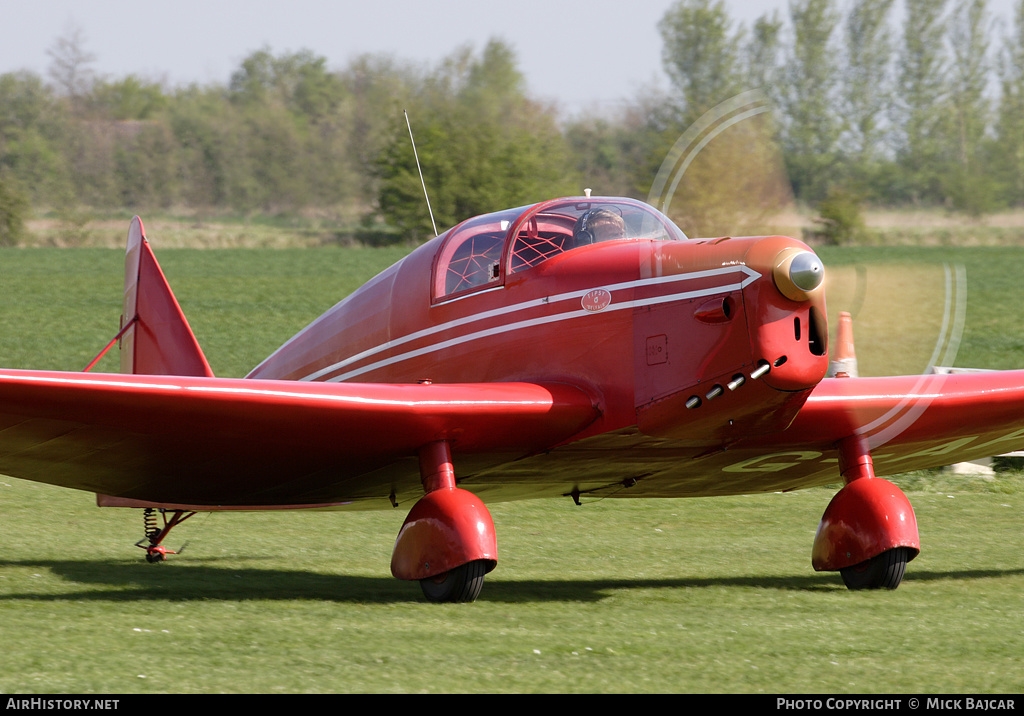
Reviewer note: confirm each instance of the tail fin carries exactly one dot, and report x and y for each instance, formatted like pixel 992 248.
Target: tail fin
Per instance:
pixel 159 341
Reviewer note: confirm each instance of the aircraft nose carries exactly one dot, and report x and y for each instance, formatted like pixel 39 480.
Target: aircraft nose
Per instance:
pixel 798 274
pixel 788 330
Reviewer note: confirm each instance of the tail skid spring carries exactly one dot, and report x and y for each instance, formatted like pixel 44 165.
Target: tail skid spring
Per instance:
pixel 155 534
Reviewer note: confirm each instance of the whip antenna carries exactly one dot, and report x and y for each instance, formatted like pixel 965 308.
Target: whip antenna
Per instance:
pixel 423 183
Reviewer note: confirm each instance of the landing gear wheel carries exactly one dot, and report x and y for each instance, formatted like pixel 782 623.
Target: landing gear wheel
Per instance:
pixel 883 571
pixel 461 584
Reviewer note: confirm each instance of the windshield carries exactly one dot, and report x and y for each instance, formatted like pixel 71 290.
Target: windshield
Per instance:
pixel 471 254
pixel 555 227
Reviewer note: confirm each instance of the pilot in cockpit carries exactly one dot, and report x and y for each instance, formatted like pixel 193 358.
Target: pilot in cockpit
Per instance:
pixel 597 225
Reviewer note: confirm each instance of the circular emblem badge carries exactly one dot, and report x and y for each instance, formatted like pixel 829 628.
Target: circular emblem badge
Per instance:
pixel 596 300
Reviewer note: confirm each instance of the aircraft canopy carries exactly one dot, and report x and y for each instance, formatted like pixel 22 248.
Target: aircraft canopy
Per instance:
pixel 481 250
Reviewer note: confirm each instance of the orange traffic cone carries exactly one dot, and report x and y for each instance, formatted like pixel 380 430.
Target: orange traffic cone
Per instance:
pixel 845 363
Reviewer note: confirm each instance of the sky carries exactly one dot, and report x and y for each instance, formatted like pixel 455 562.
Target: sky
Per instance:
pixel 581 54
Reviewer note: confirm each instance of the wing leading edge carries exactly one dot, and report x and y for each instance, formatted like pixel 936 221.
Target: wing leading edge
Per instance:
pixel 913 422
pixel 223 442
pixel 907 423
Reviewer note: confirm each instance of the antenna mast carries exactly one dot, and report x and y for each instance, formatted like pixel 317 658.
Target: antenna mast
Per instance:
pixel 423 183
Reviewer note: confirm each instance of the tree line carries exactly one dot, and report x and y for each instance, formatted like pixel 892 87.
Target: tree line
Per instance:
pixel 925 110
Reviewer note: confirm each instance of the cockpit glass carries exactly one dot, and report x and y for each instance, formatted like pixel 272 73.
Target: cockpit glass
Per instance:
pixel 471 253
pixel 560 226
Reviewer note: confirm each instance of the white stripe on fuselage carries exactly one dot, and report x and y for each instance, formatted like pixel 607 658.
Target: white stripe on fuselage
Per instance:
pixel 751 275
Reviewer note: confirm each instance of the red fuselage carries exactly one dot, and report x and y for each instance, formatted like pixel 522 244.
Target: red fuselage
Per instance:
pixel 665 334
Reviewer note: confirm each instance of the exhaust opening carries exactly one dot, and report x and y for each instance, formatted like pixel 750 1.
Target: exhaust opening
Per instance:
pixel 817 332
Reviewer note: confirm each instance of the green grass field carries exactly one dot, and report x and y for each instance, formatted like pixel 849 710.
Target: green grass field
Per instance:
pixel 706 595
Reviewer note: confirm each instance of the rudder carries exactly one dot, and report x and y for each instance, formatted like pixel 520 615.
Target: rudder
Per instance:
pixel 159 340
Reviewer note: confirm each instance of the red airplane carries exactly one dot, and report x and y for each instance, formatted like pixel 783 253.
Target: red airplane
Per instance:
pixel 576 347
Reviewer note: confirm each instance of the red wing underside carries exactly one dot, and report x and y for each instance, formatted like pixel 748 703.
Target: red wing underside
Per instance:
pixel 910 422
pixel 238 443
pixel 913 422
pixel 223 442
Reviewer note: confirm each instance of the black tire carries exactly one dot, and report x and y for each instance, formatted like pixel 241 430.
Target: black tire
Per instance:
pixel 462 584
pixel 883 571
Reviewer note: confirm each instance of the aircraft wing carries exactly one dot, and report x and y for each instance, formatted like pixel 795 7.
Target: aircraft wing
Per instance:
pixel 197 441
pixel 909 422
pixel 212 441
pixel 976 411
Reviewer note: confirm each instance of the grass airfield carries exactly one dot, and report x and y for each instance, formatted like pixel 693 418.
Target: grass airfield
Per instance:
pixel 706 595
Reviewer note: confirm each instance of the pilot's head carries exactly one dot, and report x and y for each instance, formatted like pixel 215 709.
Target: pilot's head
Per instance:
pixel 598 225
